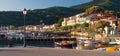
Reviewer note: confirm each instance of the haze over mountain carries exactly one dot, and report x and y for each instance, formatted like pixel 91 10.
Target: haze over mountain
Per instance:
pixel 53 14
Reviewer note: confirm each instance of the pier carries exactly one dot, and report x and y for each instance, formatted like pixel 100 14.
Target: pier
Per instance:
pixel 52 39
pixel 48 42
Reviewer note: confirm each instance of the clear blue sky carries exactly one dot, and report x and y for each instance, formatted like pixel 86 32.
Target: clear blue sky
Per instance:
pixel 17 5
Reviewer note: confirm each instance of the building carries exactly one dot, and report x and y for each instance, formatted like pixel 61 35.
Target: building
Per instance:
pixel 33 27
pixel 80 19
pixel 77 19
pixel 93 19
pixel 71 20
pixel 53 26
pixel 64 23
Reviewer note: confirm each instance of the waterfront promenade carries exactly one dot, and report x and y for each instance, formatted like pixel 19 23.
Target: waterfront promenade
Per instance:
pixel 37 51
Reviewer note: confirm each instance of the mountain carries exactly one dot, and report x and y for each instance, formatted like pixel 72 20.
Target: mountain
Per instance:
pixel 106 4
pixel 53 14
pixel 48 16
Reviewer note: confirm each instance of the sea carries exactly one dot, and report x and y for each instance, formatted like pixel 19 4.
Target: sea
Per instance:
pixel 19 42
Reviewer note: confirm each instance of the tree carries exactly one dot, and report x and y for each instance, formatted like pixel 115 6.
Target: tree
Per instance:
pixel 41 21
pixel 110 12
pixel 84 25
pixel 118 14
pixel 76 25
pixel 69 27
pixel 94 9
pixel 60 21
pixel 91 32
pixel 102 24
pixel 66 27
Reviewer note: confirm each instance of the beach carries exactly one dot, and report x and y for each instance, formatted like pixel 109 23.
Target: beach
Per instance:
pixel 37 51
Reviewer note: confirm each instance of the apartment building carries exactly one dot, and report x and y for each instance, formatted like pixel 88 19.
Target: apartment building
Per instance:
pixel 69 21
pixel 77 19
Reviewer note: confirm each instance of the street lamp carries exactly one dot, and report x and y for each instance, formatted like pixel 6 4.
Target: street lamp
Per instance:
pixel 24 13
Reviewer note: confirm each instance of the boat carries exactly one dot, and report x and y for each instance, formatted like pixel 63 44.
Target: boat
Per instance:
pixel 65 44
pixel 91 42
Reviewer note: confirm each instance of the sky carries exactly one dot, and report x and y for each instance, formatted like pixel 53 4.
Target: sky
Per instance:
pixel 18 5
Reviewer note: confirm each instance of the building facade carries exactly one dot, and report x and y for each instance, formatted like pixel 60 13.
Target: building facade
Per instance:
pixel 77 19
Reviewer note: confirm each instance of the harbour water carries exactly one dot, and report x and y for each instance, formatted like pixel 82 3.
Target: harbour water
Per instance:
pixel 18 42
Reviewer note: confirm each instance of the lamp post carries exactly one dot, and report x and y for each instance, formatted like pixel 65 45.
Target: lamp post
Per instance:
pixel 24 13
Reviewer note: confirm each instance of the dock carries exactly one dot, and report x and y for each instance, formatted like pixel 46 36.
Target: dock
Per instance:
pixel 52 39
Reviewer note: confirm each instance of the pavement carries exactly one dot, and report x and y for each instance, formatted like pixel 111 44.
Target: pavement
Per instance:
pixel 37 51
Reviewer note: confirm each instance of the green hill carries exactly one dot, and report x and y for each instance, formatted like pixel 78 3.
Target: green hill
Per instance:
pixel 48 16
pixel 53 14
pixel 106 4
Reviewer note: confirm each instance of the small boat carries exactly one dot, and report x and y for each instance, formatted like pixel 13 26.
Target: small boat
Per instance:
pixel 90 42
pixel 67 45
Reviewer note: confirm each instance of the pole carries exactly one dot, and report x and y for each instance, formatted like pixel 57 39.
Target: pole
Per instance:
pixel 24 42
